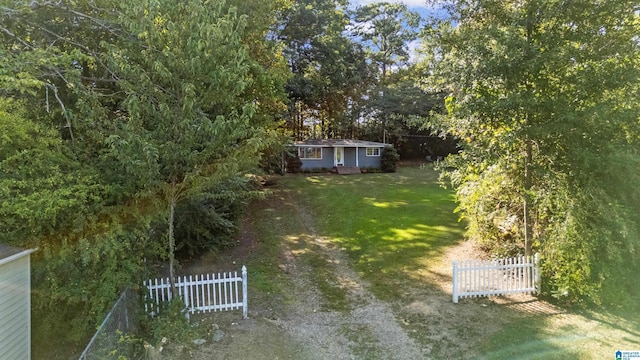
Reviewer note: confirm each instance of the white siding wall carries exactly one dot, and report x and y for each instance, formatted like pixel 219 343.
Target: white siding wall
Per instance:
pixel 15 310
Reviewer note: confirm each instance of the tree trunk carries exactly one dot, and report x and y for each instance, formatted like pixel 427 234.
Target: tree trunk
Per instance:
pixel 299 120
pixel 172 207
pixel 528 230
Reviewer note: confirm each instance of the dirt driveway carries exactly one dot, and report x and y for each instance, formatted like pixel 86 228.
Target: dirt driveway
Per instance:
pixel 423 324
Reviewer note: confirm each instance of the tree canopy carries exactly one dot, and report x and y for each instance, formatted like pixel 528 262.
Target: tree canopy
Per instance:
pixel 127 127
pixel 133 108
pixel 543 95
pixel 386 28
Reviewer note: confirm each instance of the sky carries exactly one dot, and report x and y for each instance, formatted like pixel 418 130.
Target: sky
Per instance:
pixel 410 3
pixel 415 5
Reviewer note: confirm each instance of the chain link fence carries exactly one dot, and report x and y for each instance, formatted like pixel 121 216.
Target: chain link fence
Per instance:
pixel 112 340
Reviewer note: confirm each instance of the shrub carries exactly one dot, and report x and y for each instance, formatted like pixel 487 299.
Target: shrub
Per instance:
pixel 169 325
pixel 388 159
pixel 370 170
pixel 209 222
pixel 294 164
pixel 273 160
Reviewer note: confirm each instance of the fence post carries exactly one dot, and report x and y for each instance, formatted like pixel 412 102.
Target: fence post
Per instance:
pixel 185 296
pixel 455 282
pixel 536 270
pixel 245 302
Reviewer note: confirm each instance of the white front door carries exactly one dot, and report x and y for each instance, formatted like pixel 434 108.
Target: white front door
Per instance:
pixel 338 156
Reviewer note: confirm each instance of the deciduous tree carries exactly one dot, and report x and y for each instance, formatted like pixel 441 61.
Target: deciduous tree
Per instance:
pixel 543 95
pixel 134 106
pixel 184 72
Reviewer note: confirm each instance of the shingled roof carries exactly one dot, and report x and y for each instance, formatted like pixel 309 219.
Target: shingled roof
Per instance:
pixel 339 142
pixel 6 252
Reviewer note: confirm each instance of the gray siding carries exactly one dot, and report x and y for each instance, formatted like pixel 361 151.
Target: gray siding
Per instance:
pixel 350 156
pixel 368 161
pixel 15 308
pixel 325 162
pixel 349 159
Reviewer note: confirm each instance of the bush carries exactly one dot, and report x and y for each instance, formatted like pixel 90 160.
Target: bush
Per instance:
pixel 388 159
pixel 209 222
pixel 272 164
pixel 316 170
pixel 169 325
pixel 370 170
pixel 274 158
pixel 294 164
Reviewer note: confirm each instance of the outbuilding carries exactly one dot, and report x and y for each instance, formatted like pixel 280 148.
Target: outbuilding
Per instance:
pixel 15 303
pixel 344 155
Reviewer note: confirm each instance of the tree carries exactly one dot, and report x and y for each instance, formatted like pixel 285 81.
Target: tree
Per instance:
pixel 53 203
pixel 386 29
pixel 398 109
pixel 184 75
pixel 329 70
pixel 135 107
pixel 542 97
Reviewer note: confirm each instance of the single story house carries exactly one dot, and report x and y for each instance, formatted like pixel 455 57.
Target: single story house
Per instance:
pixel 15 302
pixel 347 156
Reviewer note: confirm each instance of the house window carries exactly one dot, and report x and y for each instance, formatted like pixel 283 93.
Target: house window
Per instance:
pixel 310 153
pixel 373 151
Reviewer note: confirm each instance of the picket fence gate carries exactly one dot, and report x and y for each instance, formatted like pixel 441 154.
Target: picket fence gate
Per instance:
pixel 473 278
pixel 201 293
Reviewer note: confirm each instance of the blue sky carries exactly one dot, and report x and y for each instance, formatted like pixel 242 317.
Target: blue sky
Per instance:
pixel 410 3
pixel 415 5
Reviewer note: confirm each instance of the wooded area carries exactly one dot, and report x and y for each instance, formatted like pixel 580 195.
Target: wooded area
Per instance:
pixel 127 128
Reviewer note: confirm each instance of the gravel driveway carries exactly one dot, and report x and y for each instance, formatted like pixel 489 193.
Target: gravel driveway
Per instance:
pixel 424 324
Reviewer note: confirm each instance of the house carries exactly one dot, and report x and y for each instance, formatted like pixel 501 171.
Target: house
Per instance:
pixel 346 156
pixel 15 303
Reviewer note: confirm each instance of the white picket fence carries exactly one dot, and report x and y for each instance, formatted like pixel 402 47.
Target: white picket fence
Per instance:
pixel 201 293
pixel 473 278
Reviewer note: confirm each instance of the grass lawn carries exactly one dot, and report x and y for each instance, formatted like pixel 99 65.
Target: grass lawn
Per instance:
pixel 395 229
pixel 390 224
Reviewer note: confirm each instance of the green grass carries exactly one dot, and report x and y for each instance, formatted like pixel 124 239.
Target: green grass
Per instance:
pixel 267 282
pixel 389 224
pixel 273 222
pixel 393 227
pixel 577 335
pixel 326 281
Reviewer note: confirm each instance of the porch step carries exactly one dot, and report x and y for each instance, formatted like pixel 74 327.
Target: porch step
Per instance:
pixel 346 170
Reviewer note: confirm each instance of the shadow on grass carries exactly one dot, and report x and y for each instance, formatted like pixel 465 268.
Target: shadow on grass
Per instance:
pixel 390 224
pixel 626 320
pixel 394 227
